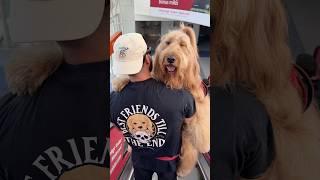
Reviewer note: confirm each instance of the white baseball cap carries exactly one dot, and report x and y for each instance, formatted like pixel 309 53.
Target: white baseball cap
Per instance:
pixel 56 20
pixel 129 50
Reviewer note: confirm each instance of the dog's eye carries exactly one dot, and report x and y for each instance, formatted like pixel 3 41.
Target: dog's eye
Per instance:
pixel 168 42
pixel 134 123
pixel 183 44
pixel 143 122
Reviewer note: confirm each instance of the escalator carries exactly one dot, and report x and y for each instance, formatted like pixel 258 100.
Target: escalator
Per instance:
pixel 200 172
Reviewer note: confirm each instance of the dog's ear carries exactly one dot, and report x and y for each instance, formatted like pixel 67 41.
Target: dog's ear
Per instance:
pixel 190 32
pixel 129 123
pixel 161 39
pixel 156 73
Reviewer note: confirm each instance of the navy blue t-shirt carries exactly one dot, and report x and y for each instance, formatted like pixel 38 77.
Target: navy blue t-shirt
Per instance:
pixel 150 116
pixel 242 135
pixel 61 130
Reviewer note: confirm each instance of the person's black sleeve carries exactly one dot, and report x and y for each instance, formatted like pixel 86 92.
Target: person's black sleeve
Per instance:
pixel 3 173
pixel 189 105
pixel 4 124
pixel 242 135
pixel 254 137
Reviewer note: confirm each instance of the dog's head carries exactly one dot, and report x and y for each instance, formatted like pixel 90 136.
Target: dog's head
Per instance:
pixel 176 59
pixel 140 122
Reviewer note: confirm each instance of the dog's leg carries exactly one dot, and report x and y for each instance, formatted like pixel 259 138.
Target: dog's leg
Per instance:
pixel 119 83
pixel 200 126
pixel 188 156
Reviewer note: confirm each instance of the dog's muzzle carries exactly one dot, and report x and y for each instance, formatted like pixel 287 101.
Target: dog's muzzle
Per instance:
pixel 171 59
pixel 169 64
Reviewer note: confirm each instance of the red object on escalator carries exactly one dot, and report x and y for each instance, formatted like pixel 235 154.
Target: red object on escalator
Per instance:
pixel 118 155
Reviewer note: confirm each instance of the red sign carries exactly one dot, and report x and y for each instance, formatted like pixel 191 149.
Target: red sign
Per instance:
pixel 193 11
pixel 116 152
pixel 172 4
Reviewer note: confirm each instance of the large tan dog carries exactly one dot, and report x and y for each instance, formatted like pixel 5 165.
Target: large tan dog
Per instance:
pixel 250 47
pixel 176 64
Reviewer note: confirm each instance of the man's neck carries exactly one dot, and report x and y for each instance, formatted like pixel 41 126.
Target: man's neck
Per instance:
pixel 140 77
pixel 92 48
pixel 82 53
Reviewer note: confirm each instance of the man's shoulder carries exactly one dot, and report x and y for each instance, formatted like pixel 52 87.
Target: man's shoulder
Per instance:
pixel 5 100
pixel 237 95
pixel 16 108
pixel 241 103
pixel 153 81
pixel 185 94
pixel 247 104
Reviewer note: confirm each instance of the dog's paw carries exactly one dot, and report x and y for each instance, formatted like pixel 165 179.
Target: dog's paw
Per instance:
pixel 188 156
pixel 119 83
pixel 181 172
pixel 204 148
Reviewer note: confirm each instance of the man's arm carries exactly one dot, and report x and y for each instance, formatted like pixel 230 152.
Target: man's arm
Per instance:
pixel 4 124
pixel 254 137
pixel 242 135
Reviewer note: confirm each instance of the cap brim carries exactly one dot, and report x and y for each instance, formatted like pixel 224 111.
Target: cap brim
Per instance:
pixel 126 68
pixel 56 20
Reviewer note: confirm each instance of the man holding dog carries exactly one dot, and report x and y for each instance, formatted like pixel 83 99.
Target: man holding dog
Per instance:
pixel 149 114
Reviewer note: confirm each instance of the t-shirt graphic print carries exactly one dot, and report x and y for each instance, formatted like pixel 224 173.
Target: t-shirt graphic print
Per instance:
pixel 150 115
pixel 142 126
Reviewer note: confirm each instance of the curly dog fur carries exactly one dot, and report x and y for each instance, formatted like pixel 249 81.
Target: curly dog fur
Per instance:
pixel 29 67
pixel 250 38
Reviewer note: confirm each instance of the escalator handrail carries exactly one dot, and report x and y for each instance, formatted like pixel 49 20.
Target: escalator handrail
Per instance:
pixel 204 167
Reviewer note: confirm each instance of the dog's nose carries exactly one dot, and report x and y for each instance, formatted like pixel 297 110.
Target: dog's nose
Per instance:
pixel 171 59
pixel 140 127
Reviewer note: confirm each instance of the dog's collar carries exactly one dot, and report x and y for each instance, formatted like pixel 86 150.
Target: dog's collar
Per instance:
pixel 204 87
pixel 301 81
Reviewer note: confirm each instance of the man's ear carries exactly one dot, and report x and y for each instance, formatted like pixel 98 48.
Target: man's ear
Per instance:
pixel 149 62
pixel 148 59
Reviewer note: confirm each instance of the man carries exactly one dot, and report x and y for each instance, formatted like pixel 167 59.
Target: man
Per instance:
pixel 149 114
pixel 57 128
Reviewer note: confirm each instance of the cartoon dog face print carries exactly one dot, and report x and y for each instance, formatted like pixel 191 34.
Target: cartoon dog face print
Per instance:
pixel 140 125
